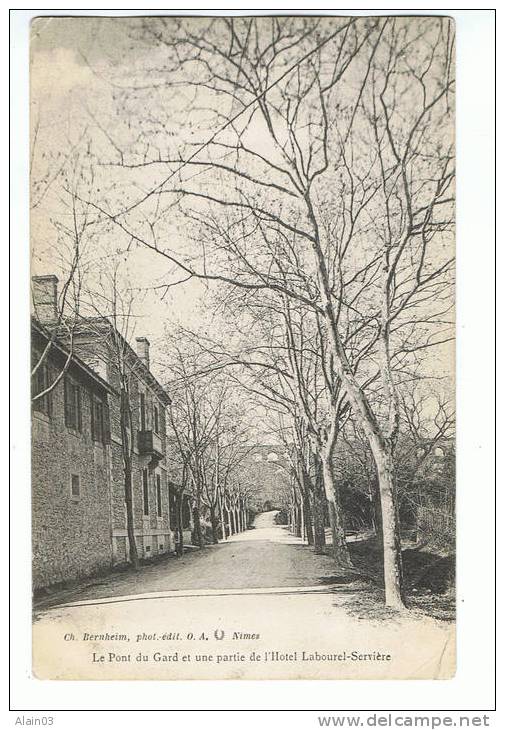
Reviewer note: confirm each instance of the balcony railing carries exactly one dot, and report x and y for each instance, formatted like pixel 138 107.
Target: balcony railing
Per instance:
pixel 150 443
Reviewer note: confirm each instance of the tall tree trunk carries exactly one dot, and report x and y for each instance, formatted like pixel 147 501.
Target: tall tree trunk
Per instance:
pixel 319 510
pixel 381 447
pixel 393 569
pixel 376 509
pixel 179 544
pixel 298 522
pixel 197 527
pixel 382 450
pixel 126 430
pixel 130 527
pixel 307 491
pixel 307 515
pixel 340 551
pixel 221 518
pixel 213 524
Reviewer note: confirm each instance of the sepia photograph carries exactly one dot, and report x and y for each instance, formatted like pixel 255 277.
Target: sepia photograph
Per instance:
pixel 243 347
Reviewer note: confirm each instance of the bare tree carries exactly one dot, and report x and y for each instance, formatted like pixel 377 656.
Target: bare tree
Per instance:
pixel 180 455
pixel 113 302
pixel 74 231
pixel 348 214
pixel 211 437
pixel 192 424
pixel 425 461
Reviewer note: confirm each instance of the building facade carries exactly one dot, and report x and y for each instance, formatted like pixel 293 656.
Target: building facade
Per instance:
pixel 100 352
pixel 71 495
pixel 151 502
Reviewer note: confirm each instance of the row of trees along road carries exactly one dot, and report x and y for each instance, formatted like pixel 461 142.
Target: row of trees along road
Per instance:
pixel 210 440
pixel 309 168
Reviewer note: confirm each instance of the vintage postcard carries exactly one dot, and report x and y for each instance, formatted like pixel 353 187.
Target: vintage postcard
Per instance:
pixel 242 330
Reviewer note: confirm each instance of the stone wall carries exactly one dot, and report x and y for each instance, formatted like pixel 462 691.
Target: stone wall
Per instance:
pixel 71 535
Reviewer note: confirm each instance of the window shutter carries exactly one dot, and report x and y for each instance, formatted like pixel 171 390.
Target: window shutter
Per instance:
pixel 92 411
pixel 67 386
pixel 142 412
pixel 39 385
pixel 158 494
pixel 78 419
pixel 50 378
pixel 145 488
pixel 106 423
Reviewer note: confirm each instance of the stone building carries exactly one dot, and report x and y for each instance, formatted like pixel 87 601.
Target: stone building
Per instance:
pixel 71 496
pixel 95 347
pixel 148 399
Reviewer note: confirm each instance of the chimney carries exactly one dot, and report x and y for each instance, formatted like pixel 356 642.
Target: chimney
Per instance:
pixel 143 350
pixel 45 297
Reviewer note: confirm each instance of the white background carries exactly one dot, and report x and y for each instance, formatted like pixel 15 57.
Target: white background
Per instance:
pixel 473 687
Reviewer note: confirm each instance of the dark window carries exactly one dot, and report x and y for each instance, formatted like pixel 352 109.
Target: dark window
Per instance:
pixel 40 384
pixel 73 412
pixel 156 419
pixel 185 510
pixel 100 430
pixel 142 412
pixel 76 486
pixel 106 423
pixel 158 493
pixel 99 425
pixel 186 513
pixel 145 490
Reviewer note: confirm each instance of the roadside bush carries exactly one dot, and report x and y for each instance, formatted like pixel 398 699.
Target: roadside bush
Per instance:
pixel 281 518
